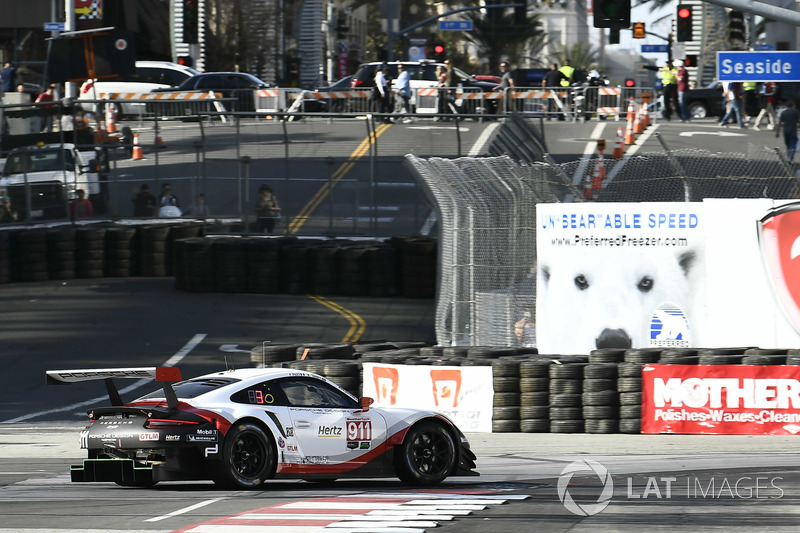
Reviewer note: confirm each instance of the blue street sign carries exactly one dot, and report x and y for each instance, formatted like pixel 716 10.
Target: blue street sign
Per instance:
pixel 765 46
pixel 455 25
pixel 53 26
pixel 758 66
pixel 655 49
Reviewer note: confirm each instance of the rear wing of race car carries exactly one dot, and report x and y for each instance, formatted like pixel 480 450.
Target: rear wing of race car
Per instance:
pixel 166 375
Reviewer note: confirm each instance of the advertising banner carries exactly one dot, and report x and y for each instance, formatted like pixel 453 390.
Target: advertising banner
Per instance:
pixel 721 399
pixel 717 273
pixel 463 394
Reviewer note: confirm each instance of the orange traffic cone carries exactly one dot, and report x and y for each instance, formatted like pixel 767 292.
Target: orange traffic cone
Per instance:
pixel 637 124
pixel 160 141
pixel 599 172
pixel 645 116
pixel 111 118
pixel 631 110
pixel 630 137
pixel 619 146
pixel 137 150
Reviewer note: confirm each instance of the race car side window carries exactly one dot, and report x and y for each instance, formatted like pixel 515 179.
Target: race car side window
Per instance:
pixel 266 393
pixel 310 392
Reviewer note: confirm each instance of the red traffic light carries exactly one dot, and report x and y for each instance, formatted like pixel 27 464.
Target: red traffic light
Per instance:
pixel 684 13
pixel 438 49
pixel 630 83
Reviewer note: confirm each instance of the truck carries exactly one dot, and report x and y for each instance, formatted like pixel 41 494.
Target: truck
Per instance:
pixel 41 179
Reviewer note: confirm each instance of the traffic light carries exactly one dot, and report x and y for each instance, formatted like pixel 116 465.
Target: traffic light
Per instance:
pixel 638 30
pixel 629 82
pixel 736 31
pixel 190 21
pixel 684 23
pixel 186 61
pixel 341 28
pixel 613 36
pixel 690 60
pixel 612 13
pixel 439 49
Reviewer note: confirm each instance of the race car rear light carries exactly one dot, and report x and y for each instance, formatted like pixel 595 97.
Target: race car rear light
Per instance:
pixel 357 83
pixel 161 423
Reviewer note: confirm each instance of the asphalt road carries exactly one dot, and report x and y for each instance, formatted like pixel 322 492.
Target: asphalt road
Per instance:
pixel 650 483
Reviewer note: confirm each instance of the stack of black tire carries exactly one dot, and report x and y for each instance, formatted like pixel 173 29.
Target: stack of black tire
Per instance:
pixel 566 386
pixel 153 254
pixel 178 232
pixel 230 265
pixel 600 396
pixel 323 268
pixel 418 265
pixel 195 269
pixel 534 385
pixel 90 251
pixel 629 386
pixel 61 253
pixel 263 266
pixel 382 271
pixel 765 356
pixel 354 270
pixel 294 272
pixel 119 251
pixel 5 256
pixel 32 247
pixel 506 412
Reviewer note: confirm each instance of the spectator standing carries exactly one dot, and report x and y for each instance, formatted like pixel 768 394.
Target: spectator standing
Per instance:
pixel 732 91
pixel 167 198
pixel 669 84
pixel 683 91
pixel 569 73
pixel 47 96
pixel 382 90
pixel 749 100
pixel 767 96
pixel 267 210
pixel 7 213
pixel 402 86
pixel 553 77
pixel 788 119
pixel 144 203
pixel 8 75
pixel 81 207
pixel 198 209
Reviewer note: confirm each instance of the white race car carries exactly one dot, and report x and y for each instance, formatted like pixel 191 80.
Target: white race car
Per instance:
pixel 243 427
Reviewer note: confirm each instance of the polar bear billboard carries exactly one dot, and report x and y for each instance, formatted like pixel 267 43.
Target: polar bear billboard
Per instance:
pixel 660 274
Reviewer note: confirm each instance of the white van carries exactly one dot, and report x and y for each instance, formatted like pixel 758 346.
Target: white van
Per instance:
pixel 149 75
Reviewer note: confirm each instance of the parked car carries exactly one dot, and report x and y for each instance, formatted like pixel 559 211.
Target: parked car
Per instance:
pixel 240 86
pixel 149 76
pixel 423 76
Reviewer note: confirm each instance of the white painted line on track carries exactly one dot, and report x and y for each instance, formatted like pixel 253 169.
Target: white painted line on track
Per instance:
pixel 184 510
pixel 480 143
pixel 172 361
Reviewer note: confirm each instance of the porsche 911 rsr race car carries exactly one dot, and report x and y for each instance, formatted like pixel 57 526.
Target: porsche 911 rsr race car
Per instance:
pixel 242 427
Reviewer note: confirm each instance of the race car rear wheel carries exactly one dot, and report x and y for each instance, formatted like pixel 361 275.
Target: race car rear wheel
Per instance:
pixel 427 455
pixel 248 458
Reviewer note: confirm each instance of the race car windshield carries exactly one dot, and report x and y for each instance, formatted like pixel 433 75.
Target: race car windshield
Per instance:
pixel 192 388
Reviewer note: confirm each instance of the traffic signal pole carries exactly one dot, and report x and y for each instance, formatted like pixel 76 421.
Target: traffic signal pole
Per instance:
pixel 778 14
pixel 392 36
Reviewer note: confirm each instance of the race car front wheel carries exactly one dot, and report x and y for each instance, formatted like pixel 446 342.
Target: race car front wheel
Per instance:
pixel 247 458
pixel 427 455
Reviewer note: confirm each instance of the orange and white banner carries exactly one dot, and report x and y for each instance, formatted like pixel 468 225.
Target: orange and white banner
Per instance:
pixel 463 394
pixel 721 399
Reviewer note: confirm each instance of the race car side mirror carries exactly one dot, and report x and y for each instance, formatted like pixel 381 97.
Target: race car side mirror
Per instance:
pixel 366 401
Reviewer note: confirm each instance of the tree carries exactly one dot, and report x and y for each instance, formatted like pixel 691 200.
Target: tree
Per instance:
pixel 581 55
pixel 500 37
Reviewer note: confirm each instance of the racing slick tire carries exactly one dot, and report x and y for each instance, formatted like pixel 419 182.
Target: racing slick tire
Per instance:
pixel 427 455
pixel 248 458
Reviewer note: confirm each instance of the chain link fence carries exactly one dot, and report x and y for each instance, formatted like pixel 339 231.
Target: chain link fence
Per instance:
pixel 487 212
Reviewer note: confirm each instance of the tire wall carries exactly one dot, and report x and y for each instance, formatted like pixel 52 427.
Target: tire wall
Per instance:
pixel 533 393
pixel 399 266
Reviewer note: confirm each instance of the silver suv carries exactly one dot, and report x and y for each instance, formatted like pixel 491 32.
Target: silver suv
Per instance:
pixel 149 75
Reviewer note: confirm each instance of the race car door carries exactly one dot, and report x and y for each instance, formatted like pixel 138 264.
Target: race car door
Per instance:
pixel 333 434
